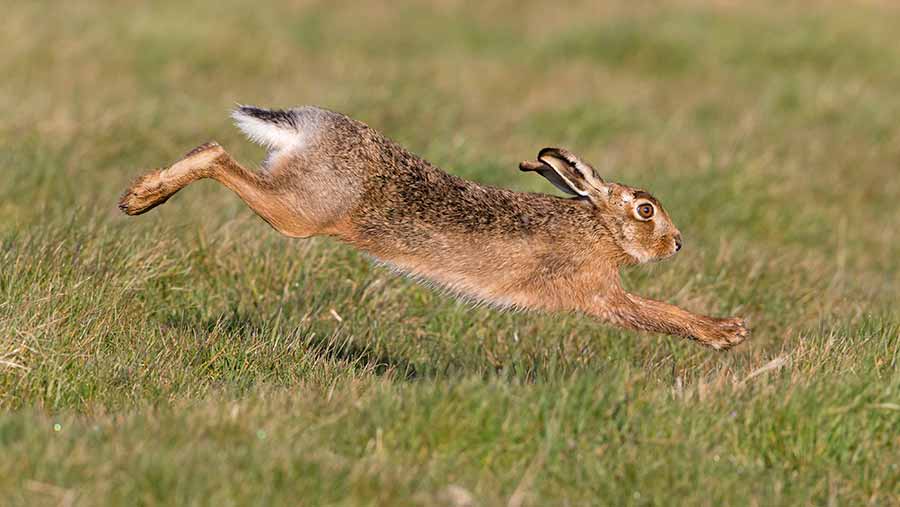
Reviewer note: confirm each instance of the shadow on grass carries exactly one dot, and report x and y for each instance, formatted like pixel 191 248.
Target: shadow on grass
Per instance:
pixel 312 339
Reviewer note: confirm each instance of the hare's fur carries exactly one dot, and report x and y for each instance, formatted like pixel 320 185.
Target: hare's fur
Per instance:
pixel 327 174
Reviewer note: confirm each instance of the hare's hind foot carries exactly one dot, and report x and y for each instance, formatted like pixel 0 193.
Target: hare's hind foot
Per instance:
pixel 726 333
pixel 156 187
pixel 145 193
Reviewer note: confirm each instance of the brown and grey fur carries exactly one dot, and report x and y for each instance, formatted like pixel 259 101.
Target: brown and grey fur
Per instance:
pixel 328 174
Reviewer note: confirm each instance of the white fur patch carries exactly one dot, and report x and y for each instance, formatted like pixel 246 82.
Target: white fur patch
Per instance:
pixel 462 292
pixel 639 255
pixel 273 136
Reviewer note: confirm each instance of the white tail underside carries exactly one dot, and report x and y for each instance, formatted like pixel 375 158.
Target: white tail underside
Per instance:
pixel 274 135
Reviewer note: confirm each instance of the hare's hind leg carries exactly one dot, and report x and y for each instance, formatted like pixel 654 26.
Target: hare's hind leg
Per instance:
pixel 276 207
pixel 156 187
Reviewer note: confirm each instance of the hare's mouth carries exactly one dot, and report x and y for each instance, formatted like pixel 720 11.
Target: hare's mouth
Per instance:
pixel 670 251
pixel 674 246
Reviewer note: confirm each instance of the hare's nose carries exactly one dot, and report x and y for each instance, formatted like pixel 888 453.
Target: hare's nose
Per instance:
pixel 678 242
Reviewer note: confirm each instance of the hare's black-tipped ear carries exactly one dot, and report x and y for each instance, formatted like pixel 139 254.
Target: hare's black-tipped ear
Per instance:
pixel 566 171
pixel 552 176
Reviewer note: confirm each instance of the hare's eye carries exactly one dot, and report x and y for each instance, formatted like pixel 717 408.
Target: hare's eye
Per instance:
pixel 645 211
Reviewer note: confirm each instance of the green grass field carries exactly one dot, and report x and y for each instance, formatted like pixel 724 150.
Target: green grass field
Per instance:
pixel 192 356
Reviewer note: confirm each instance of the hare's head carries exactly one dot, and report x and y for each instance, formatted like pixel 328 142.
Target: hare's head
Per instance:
pixel 636 221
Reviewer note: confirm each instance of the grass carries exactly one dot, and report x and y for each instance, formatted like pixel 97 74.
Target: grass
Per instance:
pixel 193 356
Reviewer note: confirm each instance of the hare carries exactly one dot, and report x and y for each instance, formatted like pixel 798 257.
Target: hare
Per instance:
pixel 327 174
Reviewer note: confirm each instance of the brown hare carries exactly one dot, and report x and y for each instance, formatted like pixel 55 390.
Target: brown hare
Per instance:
pixel 331 175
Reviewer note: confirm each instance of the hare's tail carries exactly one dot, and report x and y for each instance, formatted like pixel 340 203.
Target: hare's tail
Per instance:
pixel 276 129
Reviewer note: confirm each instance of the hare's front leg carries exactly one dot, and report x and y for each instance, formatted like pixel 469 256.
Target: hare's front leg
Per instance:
pixel 635 312
pixel 279 207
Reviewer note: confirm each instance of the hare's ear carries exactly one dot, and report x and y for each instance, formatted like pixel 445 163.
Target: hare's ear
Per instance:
pixel 567 172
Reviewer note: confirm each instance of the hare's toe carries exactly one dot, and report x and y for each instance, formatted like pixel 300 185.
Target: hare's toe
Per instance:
pixel 729 332
pixel 144 194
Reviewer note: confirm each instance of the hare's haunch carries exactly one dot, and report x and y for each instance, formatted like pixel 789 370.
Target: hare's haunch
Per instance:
pixel 331 175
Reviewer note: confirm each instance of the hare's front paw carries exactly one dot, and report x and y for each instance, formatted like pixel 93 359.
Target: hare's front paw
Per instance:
pixel 726 333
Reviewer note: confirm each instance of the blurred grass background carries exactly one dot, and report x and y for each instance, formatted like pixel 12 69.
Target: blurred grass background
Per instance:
pixel 193 356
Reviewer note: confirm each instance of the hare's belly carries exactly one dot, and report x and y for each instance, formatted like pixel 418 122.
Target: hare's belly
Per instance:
pixel 480 271
pixel 471 287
